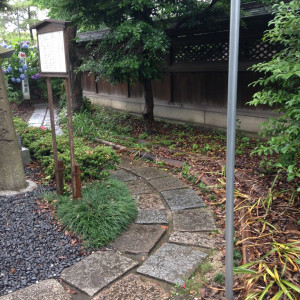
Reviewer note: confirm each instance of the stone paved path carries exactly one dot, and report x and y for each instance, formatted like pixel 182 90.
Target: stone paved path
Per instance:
pixel 41 117
pixel 164 246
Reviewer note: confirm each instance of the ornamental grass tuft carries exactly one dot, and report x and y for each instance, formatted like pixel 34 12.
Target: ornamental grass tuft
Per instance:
pixel 104 212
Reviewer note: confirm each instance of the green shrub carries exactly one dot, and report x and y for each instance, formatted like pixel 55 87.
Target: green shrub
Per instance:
pixel 104 212
pixel 280 83
pixel 94 162
pixel 20 125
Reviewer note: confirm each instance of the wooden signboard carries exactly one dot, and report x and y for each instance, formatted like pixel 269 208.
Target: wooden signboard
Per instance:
pixel 54 62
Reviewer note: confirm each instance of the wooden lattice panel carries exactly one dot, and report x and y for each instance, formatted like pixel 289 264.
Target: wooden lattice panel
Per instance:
pixel 203 52
pixel 200 52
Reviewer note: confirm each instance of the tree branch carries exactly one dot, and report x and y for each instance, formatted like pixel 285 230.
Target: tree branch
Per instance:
pixel 199 14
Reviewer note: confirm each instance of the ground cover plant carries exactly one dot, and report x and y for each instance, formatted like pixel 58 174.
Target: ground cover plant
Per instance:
pixel 104 212
pixel 106 207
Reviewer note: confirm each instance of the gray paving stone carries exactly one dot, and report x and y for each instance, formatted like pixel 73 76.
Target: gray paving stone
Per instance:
pixel 124 175
pixel 149 201
pixel 41 105
pixel 37 117
pixel 97 271
pixel 193 239
pixel 199 219
pixel 130 164
pixel 167 183
pixel 45 290
pixel 182 199
pixel 154 216
pixel 172 263
pixel 133 287
pixel 139 186
pixel 149 172
pixel 139 239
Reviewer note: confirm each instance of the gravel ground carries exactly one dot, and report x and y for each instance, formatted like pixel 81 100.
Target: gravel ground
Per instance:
pixel 31 246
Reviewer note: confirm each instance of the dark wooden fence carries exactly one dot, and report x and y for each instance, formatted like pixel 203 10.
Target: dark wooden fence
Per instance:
pixel 197 64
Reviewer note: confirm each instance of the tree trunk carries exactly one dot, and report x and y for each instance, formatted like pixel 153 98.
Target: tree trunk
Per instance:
pixel 75 77
pixel 12 177
pixel 149 105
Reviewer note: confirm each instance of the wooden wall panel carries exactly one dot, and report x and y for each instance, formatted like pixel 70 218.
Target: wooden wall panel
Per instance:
pixel 162 88
pixel 204 89
pixel 88 83
pixel 105 88
pixel 136 91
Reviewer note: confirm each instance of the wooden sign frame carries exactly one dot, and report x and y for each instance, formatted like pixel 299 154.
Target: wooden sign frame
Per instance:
pixel 53 45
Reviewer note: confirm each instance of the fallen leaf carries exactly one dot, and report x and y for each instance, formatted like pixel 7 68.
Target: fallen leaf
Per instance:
pixel 71 291
pixel 12 271
pixel 202 292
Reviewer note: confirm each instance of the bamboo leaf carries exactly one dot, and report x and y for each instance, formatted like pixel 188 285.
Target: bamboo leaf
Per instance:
pixel 265 290
pixel 277 296
pixel 270 272
pixel 292 286
pixel 240 270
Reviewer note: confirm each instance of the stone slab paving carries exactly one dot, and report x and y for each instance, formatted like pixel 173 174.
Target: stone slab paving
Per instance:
pixel 149 201
pixel 124 175
pixel 192 239
pixel 38 116
pixel 172 263
pixel 139 239
pixel 182 199
pixel 167 183
pixel 154 216
pixel 97 271
pixel 149 172
pixel 41 117
pixel 199 219
pixel 133 287
pixel 129 164
pixel 139 186
pixel 45 290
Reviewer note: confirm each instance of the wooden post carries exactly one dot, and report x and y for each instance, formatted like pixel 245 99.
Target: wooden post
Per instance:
pixel 71 141
pixel 60 178
pixel 54 143
pixel 77 182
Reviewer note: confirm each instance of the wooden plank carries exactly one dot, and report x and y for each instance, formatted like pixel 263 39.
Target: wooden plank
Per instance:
pixel 105 88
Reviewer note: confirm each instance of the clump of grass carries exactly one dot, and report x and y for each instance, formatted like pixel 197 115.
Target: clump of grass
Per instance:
pixel 104 212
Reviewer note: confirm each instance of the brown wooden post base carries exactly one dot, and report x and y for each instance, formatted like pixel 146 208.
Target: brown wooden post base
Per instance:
pixel 59 172
pixel 76 177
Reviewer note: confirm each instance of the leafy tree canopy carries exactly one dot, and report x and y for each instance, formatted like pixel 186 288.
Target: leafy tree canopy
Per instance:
pixel 9 23
pixel 135 47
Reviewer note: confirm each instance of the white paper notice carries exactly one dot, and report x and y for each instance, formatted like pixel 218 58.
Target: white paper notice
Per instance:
pixel 52 52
